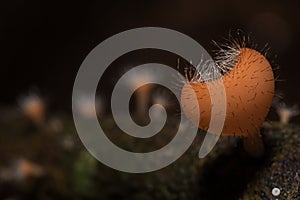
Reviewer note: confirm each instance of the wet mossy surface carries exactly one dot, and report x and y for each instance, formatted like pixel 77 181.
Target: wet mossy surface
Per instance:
pixel 228 172
pixel 282 166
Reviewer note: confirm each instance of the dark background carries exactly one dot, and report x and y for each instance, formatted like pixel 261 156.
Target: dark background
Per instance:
pixel 43 43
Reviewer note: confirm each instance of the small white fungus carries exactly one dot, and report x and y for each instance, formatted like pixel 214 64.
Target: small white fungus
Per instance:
pixel 276 192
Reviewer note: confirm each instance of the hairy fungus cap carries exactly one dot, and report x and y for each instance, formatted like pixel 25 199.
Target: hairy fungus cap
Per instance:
pixel 249 90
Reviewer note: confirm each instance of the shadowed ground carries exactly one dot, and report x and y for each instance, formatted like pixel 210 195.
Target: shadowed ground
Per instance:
pixel 70 172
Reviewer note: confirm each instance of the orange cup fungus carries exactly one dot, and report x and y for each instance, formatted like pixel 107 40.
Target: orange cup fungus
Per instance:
pixel 249 87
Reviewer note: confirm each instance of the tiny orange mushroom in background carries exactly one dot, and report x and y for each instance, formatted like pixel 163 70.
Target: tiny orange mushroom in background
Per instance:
pixel 249 90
